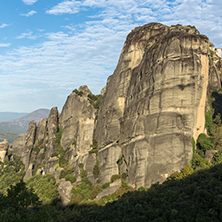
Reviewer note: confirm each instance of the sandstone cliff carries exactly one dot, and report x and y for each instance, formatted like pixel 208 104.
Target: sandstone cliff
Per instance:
pixel 154 103
pixel 152 106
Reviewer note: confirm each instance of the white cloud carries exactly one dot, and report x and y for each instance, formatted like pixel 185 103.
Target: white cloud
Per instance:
pixel 32 12
pixel 5 44
pixel 87 53
pixel 3 25
pixel 70 7
pixel 29 2
pixel 28 35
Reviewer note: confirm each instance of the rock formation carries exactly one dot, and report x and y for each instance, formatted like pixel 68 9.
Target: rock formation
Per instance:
pixel 154 103
pixel 39 148
pixel 4 145
pixel 152 106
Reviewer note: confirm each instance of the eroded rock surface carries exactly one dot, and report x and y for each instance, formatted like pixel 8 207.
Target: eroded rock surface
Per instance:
pixel 152 106
pixel 154 103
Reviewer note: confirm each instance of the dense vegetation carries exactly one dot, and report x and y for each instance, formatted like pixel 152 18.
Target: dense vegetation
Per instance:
pixel 11 172
pixel 196 197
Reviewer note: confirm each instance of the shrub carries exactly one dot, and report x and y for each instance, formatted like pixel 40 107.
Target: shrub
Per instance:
pixel 199 162
pixel 120 162
pixel 84 177
pixel 81 165
pixel 11 174
pixel 96 170
pixel 40 142
pixel 59 136
pixel 65 172
pixel 79 93
pixel 124 175
pixel 97 189
pixel 204 143
pixel 62 174
pixel 95 100
pixel 36 150
pixel 70 178
pixel 45 187
pixel 217 158
pixel 94 147
pixel 93 151
pixel 63 162
pixel 193 144
pixel 115 177
pixel 60 153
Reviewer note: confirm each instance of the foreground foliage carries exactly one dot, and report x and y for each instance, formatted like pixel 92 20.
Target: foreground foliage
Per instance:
pixel 45 187
pixel 11 172
pixel 196 197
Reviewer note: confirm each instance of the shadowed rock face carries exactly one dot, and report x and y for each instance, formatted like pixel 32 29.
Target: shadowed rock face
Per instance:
pixel 154 103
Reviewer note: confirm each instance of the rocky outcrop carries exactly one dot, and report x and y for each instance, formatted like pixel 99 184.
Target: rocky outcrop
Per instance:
pixel 152 106
pixel 113 187
pixel 52 129
pixel 22 147
pixel 65 188
pixel 4 145
pixel 71 131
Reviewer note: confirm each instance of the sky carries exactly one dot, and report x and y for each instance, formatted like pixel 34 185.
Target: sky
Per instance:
pixel 50 47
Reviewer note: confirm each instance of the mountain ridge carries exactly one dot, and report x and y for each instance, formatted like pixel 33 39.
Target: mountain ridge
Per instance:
pixel 20 125
pixel 6 116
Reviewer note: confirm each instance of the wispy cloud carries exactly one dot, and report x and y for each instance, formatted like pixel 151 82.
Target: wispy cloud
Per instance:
pixel 29 2
pixel 5 44
pixel 3 25
pixel 70 7
pixel 32 12
pixel 28 35
pixel 87 53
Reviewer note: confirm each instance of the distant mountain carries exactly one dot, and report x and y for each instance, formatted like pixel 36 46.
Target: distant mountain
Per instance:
pixel 5 116
pixel 20 125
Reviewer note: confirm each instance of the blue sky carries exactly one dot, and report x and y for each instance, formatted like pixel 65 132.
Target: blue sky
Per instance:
pixel 50 47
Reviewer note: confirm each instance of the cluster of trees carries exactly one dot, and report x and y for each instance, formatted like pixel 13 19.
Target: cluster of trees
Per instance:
pixel 212 141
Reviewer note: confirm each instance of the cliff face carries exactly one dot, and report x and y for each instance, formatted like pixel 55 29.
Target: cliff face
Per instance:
pixel 152 106
pixel 76 124
pixel 154 103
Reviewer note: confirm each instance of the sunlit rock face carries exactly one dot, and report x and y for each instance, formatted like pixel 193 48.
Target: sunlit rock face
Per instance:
pixel 153 104
pixel 77 121
pixel 4 145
